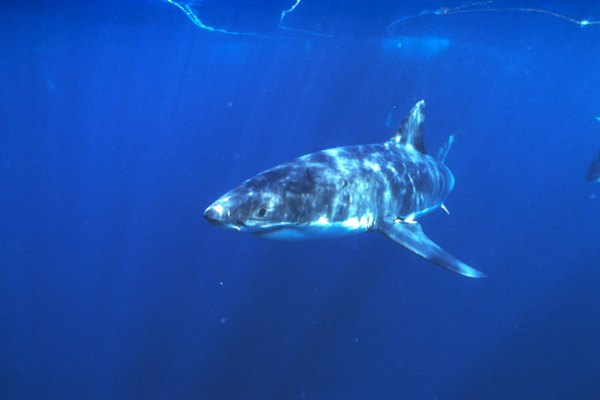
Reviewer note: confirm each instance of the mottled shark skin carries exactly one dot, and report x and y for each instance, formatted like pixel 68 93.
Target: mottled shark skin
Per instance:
pixel 377 187
pixel 593 173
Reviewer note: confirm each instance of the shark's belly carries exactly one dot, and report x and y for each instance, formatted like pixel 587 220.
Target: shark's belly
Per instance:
pixel 314 231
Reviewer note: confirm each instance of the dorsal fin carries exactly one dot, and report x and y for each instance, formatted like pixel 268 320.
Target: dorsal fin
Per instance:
pixel 410 133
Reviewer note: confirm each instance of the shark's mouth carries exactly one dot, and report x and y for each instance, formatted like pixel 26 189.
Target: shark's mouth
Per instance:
pixel 236 225
pixel 267 229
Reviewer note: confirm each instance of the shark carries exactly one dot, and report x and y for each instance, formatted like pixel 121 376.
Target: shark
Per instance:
pixel 384 187
pixel 593 173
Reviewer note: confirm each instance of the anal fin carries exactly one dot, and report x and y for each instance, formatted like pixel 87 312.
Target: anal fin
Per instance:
pixel 411 236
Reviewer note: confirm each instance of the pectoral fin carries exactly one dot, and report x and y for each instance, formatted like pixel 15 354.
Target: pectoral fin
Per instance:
pixel 411 236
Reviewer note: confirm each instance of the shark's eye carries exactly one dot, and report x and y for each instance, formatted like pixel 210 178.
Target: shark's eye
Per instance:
pixel 262 212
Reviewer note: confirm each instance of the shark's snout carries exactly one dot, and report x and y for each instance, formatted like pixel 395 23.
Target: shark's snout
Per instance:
pixel 219 215
pixel 216 214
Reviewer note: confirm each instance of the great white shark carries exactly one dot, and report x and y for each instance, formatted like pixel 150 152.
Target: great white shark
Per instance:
pixel 593 173
pixel 382 187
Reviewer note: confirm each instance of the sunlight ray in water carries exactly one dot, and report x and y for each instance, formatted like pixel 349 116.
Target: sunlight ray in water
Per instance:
pixel 482 7
pixel 192 9
pixel 286 12
pixel 188 8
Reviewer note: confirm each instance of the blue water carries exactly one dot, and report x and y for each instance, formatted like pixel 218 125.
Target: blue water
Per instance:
pixel 121 121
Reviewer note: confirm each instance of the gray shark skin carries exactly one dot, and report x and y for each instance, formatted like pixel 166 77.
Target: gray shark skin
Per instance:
pixel 593 173
pixel 378 187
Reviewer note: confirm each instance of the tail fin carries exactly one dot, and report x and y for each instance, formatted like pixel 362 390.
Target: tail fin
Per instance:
pixel 443 151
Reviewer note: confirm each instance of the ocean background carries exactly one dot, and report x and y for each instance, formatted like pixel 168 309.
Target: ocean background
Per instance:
pixel 121 121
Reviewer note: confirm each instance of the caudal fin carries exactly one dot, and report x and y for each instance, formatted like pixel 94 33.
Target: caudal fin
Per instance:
pixel 443 151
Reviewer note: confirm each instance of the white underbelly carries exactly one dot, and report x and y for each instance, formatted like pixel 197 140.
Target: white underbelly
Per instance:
pixel 312 231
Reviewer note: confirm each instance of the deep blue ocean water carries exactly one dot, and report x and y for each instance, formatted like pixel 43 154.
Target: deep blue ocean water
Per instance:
pixel 120 122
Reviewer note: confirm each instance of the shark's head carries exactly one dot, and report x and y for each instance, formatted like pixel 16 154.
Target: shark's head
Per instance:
pixel 281 198
pixel 245 210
